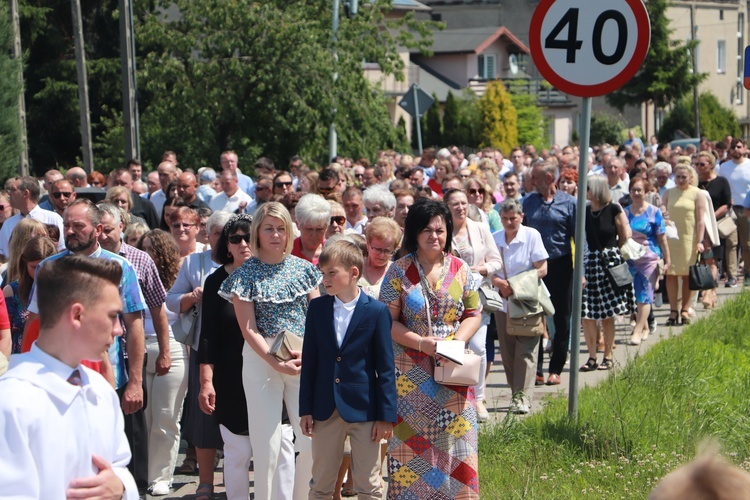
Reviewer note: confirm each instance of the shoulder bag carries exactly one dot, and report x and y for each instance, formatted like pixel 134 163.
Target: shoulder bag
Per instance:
pixel 726 225
pixel 700 277
pixel 619 274
pixel 183 330
pixel 447 372
pixel 527 326
pixel 490 299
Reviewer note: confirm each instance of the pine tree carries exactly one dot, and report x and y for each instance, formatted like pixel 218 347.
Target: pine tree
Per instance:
pixel 434 136
pixel 10 89
pixel 499 119
pixel 451 121
pixel 666 75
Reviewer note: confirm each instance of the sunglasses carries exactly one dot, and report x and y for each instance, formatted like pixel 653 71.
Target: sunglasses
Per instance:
pixel 703 164
pixel 359 176
pixel 282 184
pixel 180 225
pixel 325 190
pixel 60 194
pixel 236 238
pixel 262 188
pixel 338 219
pixel 474 191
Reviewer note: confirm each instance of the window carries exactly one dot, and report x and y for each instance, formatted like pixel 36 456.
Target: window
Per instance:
pixel 487 65
pixel 721 56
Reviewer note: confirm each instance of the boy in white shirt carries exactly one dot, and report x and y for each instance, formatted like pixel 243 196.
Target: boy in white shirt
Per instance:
pixel 61 427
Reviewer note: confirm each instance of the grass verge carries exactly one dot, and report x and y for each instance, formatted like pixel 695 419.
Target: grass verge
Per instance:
pixel 637 425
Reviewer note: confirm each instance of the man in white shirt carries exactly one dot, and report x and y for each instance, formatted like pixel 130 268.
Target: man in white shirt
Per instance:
pixel 62 429
pixel 737 172
pixel 617 186
pixel 24 196
pixel 231 196
pixel 229 161
pixel 355 209
pixel 167 173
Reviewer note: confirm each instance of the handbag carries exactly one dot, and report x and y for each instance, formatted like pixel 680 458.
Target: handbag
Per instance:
pixel 183 330
pixel 619 274
pixel 447 372
pixel 490 299
pixel 284 344
pixel 632 250
pixel 726 226
pixel 700 277
pixel 528 326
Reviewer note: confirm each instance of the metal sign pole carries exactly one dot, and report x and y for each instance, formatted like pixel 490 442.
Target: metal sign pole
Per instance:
pixel 575 327
pixel 417 117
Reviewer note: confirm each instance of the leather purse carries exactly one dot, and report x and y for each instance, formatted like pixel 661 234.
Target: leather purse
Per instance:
pixel 449 373
pixel 490 299
pixel 183 330
pixel 620 275
pixel 700 277
pixel 726 226
pixel 284 344
pixel 527 326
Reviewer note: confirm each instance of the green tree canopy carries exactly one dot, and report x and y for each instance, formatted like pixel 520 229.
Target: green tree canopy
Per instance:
pixel 434 136
pixel 606 128
pixel 531 122
pixel 717 121
pixel 10 90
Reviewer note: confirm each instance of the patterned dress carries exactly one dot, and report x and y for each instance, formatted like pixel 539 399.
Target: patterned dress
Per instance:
pixel 433 452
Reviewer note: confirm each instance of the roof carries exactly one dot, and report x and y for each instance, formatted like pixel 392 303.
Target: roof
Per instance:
pixel 409 5
pixel 472 40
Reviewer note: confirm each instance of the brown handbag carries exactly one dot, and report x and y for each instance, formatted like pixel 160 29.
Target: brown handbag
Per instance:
pixel 528 326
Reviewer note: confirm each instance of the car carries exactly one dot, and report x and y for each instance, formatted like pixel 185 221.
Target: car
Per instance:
pixel 695 141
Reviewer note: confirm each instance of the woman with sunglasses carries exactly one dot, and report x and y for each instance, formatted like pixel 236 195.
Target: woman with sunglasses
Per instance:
pixel 473 242
pixel 479 194
pixel 337 221
pixel 282 184
pixel 6 211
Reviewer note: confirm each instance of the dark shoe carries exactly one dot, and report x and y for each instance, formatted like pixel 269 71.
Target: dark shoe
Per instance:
pixel 590 365
pixel 731 283
pixel 539 380
pixel 553 379
pixel 674 319
pixel 205 491
pixel 686 319
pixel 607 364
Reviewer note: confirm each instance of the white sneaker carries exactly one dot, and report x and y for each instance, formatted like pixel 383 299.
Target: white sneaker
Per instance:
pixel 520 409
pixel 160 488
pixel 482 414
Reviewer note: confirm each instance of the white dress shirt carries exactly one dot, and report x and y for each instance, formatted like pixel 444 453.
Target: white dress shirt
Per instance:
pixel 738 176
pixel 36 213
pixel 358 227
pixel 50 428
pixel 157 199
pixel 342 316
pixel 229 203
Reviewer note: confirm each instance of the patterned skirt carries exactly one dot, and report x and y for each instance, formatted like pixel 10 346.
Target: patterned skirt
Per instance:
pixel 433 451
pixel 600 299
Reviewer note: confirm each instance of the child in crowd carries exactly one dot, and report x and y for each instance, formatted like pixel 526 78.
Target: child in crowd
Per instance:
pixel 348 376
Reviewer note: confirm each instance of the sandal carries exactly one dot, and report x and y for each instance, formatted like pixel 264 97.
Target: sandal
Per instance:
pixel 674 319
pixel 607 364
pixel 590 365
pixel 686 319
pixel 189 466
pixel 348 492
pixel 205 491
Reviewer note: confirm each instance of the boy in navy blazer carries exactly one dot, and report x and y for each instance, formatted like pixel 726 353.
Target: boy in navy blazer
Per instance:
pixel 347 385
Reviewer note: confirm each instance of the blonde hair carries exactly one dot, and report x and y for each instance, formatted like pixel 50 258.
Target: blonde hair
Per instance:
pixel 271 209
pixel 116 191
pixel 22 233
pixel 344 253
pixel 383 228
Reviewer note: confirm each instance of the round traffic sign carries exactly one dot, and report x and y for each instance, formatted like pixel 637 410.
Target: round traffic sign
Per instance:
pixel 589 48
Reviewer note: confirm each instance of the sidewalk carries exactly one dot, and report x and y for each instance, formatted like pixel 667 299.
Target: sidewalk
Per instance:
pixel 498 393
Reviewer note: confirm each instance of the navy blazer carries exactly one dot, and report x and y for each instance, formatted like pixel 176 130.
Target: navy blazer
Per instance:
pixel 358 378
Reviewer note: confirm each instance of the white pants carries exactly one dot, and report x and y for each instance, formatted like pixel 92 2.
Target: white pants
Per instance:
pixel 165 395
pixel 265 388
pixel 238 452
pixel 478 344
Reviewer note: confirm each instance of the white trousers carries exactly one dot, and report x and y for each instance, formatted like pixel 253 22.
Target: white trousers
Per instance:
pixel 478 344
pixel 238 452
pixel 165 395
pixel 265 389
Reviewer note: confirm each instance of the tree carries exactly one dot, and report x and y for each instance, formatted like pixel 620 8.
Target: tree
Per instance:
pixel 531 122
pixel 606 128
pixel 451 120
pixel 499 119
pixel 717 121
pixel 10 90
pixel 667 73
pixel 434 135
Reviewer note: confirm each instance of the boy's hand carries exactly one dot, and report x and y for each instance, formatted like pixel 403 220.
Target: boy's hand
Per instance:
pixel 381 430
pixel 105 484
pixel 306 422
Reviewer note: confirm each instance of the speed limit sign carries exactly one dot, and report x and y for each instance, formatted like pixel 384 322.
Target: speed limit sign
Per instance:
pixel 589 48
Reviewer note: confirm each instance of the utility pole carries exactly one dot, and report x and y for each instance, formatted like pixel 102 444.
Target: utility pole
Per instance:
pixel 332 137
pixel 696 101
pixel 129 87
pixel 83 87
pixel 23 160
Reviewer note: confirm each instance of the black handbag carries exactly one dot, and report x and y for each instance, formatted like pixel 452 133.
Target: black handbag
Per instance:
pixel 619 274
pixel 700 276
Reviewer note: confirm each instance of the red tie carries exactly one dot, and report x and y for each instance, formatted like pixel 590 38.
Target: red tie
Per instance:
pixel 75 378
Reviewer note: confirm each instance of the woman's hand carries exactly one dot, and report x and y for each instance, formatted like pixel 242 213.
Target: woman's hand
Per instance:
pixel 428 345
pixel 481 269
pixel 699 248
pixel 197 294
pixel 207 398
pixel 291 367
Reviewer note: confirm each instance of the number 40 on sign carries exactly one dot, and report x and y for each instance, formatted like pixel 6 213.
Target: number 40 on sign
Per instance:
pixel 589 48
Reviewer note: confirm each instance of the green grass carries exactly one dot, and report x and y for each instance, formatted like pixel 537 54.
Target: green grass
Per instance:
pixel 639 424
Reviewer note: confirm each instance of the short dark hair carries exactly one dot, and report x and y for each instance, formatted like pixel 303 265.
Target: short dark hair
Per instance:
pixel 30 184
pixel 376 171
pixel 221 253
pixel 133 161
pixel 265 163
pixel 420 214
pixel 327 174
pixel 70 279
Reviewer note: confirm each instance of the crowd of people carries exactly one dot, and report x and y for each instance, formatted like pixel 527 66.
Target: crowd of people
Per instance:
pixel 219 269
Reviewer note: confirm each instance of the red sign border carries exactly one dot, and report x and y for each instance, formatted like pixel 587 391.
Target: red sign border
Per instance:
pixel 641 51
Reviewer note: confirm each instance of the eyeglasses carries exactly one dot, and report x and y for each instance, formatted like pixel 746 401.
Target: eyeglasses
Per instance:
pixel 338 219
pixel 282 184
pixel 60 194
pixel 359 176
pixel 262 188
pixel 680 176
pixel 475 192
pixel 381 251
pixel 704 164
pixel 325 189
pixel 236 238
pixel 180 225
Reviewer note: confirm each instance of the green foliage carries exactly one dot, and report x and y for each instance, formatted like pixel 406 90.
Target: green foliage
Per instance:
pixel 636 426
pixel 10 90
pixel 451 120
pixel 607 128
pixel 531 123
pixel 499 119
pixel 434 135
pixel 717 121
pixel 666 74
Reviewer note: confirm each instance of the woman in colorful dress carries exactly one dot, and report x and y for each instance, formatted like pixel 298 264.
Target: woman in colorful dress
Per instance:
pixel 270 293
pixel 433 451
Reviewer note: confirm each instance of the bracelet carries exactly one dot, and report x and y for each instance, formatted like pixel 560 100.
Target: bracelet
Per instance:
pixel 419 344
